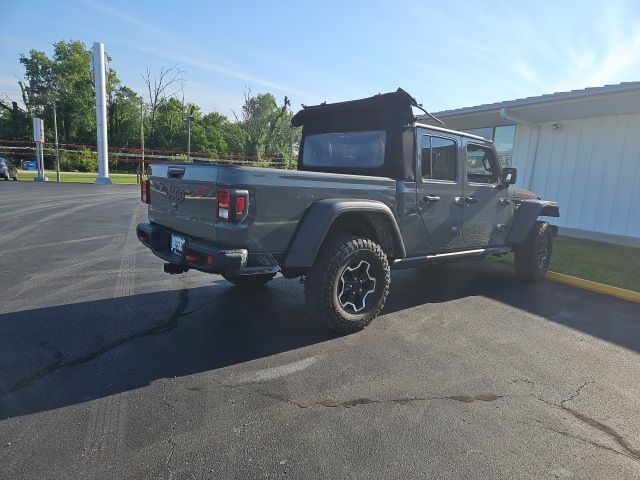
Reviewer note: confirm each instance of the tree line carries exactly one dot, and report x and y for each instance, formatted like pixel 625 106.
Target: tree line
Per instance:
pixel 64 81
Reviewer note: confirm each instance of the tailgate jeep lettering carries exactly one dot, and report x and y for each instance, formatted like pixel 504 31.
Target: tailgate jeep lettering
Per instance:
pixel 176 193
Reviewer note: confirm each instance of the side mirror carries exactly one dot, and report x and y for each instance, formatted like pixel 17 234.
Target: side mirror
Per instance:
pixel 509 176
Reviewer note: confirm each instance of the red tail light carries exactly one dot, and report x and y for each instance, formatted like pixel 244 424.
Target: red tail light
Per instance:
pixel 144 191
pixel 143 237
pixel 233 205
pixel 241 203
pixel 223 205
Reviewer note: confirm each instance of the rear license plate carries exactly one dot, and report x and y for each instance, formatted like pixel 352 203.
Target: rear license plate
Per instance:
pixel 177 242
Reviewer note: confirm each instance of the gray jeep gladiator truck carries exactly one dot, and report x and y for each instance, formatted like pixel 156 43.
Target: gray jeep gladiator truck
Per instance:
pixel 375 190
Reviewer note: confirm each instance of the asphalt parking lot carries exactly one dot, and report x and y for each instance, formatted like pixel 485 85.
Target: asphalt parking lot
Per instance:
pixel 112 369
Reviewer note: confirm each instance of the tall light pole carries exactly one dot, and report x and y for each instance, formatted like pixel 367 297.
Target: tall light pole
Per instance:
pixel 100 80
pixel 55 130
pixel 38 138
pixel 141 166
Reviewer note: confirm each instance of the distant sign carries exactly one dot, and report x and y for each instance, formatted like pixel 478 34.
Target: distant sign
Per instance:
pixel 38 130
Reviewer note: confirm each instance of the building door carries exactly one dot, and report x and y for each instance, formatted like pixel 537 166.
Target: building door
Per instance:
pixel 439 185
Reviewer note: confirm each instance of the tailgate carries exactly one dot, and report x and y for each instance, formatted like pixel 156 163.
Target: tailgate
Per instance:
pixel 183 198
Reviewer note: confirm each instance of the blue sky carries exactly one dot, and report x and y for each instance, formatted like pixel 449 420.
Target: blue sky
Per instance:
pixel 447 54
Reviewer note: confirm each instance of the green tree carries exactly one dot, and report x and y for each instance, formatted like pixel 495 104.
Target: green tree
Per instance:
pixel 169 131
pixel 124 117
pixel 266 125
pixel 15 124
pixel 66 80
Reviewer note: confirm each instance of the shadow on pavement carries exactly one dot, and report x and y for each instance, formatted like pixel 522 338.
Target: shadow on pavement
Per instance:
pixel 611 319
pixel 184 331
pixel 201 329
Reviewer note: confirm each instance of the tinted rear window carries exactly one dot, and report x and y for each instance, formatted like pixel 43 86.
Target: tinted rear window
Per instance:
pixel 345 149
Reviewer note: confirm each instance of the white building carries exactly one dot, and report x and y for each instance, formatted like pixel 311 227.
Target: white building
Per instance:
pixel 580 148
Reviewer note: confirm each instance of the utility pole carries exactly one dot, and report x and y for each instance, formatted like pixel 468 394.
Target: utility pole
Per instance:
pixel 55 130
pixel 189 121
pixel 100 81
pixel 290 143
pixel 141 166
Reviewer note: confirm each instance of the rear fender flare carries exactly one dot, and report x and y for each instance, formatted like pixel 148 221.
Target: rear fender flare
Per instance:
pixel 526 216
pixel 318 220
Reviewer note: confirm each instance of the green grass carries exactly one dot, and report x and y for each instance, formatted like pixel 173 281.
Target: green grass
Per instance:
pixel 596 261
pixel 80 177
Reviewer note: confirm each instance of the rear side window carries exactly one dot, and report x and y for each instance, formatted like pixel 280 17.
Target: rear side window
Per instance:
pixel 482 165
pixel 345 149
pixel 438 158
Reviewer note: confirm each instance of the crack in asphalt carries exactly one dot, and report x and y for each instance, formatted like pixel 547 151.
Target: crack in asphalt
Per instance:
pixel 607 430
pixel 576 394
pixel 60 363
pixel 585 440
pixel 629 451
pixel 354 402
pixel 170 440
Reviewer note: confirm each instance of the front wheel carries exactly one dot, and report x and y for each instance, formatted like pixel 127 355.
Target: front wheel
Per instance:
pixel 249 281
pixel 532 258
pixel 348 283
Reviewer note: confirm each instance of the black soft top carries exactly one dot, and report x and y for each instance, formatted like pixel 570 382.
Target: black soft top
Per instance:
pixel 380 111
pixel 391 112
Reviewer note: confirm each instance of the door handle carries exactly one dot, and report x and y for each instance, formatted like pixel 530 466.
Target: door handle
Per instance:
pixel 504 201
pixel 471 199
pixel 430 199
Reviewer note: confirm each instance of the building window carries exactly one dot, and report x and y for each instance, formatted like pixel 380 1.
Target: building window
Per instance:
pixel 503 140
pixel 502 137
pixel 482 132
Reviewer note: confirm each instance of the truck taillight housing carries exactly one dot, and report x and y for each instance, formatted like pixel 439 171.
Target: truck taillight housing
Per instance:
pixel 144 191
pixel 223 205
pixel 233 205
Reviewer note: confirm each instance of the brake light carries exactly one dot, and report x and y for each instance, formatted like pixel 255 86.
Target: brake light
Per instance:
pixel 233 205
pixel 144 191
pixel 241 203
pixel 223 204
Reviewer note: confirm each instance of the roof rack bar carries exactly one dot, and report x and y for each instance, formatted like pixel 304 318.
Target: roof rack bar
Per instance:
pixel 419 106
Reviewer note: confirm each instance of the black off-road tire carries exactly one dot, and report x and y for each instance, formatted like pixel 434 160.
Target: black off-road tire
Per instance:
pixel 323 281
pixel 249 281
pixel 532 258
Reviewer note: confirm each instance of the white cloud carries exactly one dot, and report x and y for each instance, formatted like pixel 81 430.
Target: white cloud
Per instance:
pixel 112 12
pixel 195 58
pixel 617 61
pixel 525 71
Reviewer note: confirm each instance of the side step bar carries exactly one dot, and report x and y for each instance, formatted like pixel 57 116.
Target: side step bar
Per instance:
pixel 411 262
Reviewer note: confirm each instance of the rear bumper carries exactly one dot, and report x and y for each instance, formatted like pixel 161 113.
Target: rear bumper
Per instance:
pixel 196 254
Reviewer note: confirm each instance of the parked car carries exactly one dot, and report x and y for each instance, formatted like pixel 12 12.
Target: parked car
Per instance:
pixel 7 170
pixel 375 190
pixel 29 165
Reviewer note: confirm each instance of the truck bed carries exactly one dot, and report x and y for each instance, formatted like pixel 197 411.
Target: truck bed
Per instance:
pixel 183 197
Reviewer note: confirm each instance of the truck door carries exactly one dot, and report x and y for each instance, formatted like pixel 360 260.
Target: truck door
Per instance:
pixel 439 187
pixel 484 208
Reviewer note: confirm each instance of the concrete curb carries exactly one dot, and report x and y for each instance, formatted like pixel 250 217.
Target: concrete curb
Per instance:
pixel 622 293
